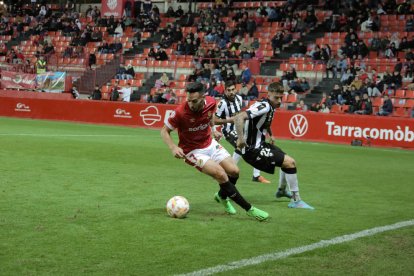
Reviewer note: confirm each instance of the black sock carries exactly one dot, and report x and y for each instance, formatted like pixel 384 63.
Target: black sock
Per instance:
pixel 233 179
pixel 231 191
pixel 222 193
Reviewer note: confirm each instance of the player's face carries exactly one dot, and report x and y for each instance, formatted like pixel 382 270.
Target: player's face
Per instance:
pixel 231 92
pixel 195 101
pixel 275 98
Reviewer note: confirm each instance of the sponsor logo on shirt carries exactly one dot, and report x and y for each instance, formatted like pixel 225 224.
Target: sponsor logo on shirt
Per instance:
pixel 200 127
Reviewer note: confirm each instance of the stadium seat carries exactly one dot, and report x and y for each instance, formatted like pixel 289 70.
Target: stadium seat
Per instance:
pixel 292 98
pixel 400 93
pixel 409 103
pixel 400 112
pixel 377 101
pixel 409 94
pixel 336 108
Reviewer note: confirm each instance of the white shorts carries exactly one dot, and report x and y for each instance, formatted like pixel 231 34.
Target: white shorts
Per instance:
pixel 199 157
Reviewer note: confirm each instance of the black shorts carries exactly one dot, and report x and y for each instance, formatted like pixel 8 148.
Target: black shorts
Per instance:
pixel 231 137
pixel 265 158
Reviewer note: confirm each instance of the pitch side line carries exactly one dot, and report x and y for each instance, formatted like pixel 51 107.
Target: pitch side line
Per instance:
pixel 64 135
pixel 298 250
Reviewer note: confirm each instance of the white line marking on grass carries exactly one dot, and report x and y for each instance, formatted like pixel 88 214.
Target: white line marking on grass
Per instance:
pixel 298 250
pixel 64 135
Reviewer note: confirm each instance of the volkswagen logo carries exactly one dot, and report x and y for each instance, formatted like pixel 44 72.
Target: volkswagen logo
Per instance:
pixel 298 125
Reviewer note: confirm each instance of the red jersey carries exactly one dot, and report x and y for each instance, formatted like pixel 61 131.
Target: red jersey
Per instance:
pixel 194 131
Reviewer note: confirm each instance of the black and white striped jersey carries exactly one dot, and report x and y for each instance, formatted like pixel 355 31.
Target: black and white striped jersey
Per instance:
pixel 227 109
pixel 260 118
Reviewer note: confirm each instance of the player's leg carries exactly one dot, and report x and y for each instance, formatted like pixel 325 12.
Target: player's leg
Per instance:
pixel 289 168
pixel 259 178
pixel 227 189
pixel 230 167
pixel 282 190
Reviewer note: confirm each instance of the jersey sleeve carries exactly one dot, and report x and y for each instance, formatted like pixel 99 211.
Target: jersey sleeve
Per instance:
pixel 258 109
pixel 172 120
pixel 220 111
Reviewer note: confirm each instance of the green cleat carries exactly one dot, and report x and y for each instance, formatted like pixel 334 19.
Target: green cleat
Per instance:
pixel 226 203
pixel 257 214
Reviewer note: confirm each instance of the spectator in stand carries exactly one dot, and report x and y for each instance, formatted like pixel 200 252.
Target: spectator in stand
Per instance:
pixel 300 50
pixel 165 80
pixel 253 93
pixel 161 55
pixel 170 12
pixel 92 59
pixel 331 67
pixel 324 108
pixel 335 97
pixel 246 74
pixel 130 72
pixel 75 93
pixel 219 88
pixel 126 92
pixel 391 51
pixel 41 65
pixel 301 106
pixel 310 19
pixel 244 90
pixel 96 94
pixel 387 107
pixel 366 106
pixel 397 79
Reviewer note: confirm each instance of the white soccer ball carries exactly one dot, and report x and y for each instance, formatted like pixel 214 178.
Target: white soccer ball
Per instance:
pixel 178 207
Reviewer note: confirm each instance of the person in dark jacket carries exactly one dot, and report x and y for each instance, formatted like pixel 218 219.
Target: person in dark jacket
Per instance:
pixel 387 107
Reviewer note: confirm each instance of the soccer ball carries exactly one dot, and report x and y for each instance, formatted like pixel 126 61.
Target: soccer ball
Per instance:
pixel 178 207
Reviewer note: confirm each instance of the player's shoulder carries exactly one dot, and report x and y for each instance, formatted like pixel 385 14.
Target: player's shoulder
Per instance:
pixel 210 101
pixel 261 104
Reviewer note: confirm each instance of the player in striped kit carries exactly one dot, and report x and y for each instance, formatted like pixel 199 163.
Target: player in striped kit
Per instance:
pixel 252 126
pixel 230 105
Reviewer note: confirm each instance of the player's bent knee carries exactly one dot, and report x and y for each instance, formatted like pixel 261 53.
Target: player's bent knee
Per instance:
pixel 289 162
pixel 233 172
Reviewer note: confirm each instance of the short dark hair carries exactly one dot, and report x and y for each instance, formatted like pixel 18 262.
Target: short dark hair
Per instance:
pixel 195 87
pixel 229 83
pixel 275 87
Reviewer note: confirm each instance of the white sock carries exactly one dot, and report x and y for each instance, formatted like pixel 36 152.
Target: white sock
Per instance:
pixel 256 172
pixel 282 180
pixel 292 180
pixel 236 157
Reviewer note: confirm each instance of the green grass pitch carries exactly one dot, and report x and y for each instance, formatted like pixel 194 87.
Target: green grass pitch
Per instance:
pixel 85 199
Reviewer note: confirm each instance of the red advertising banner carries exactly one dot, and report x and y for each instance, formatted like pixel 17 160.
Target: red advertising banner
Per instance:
pixel 17 80
pixel 335 128
pixel 112 7
pixel 341 128
pixel 116 113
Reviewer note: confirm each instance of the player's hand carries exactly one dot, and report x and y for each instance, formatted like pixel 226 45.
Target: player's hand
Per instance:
pixel 217 135
pixel 241 144
pixel 272 140
pixel 178 153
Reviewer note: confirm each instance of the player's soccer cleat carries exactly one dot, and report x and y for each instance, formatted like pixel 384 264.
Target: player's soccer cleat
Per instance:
pixel 283 193
pixel 260 179
pixel 257 214
pixel 226 203
pixel 300 204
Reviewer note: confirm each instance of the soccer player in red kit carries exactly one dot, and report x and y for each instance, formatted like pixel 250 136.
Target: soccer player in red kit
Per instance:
pixel 193 121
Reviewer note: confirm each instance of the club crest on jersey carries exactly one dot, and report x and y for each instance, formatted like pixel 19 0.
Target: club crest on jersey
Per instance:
pixel 209 114
pixel 218 147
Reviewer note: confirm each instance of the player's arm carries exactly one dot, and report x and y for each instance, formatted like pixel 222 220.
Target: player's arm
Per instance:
pixel 239 124
pixel 166 137
pixel 221 121
pixel 216 134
